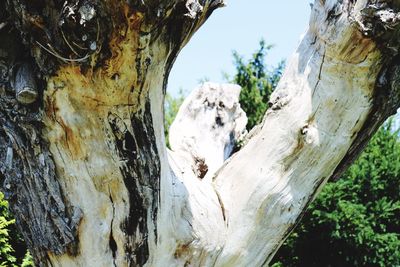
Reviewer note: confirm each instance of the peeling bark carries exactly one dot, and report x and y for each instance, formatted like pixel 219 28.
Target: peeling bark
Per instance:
pixel 82 149
pixel 101 61
pixel 27 170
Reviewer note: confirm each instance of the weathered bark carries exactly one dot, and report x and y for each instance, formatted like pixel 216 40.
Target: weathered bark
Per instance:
pixel 85 166
pixel 97 132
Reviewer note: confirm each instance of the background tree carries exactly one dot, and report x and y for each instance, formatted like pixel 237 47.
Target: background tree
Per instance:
pixel 171 107
pixel 257 83
pixel 6 249
pixel 13 251
pixel 354 221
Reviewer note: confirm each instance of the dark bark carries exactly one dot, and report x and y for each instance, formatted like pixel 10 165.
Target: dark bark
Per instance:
pixel 26 168
pixel 46 35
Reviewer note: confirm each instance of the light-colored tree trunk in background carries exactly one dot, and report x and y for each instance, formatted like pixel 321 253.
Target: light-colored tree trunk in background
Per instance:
pixel 86 168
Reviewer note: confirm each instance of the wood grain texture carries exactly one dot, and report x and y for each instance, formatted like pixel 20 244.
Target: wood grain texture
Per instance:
pixel 86 169
pixel 92 151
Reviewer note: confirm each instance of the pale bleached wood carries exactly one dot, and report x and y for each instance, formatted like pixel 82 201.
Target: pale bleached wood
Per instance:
pixel 324 100
pixel 320 111
pixel 207 128
pixel 121 198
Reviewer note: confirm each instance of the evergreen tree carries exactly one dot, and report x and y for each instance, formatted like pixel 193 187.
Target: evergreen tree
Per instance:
pixel 355 220
pixel 257 83
pixel 171 108
pixel 13 251
pixel 7 257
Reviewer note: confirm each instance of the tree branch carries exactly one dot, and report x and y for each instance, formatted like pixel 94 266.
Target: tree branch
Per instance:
pixel 327 105
pixel 207 128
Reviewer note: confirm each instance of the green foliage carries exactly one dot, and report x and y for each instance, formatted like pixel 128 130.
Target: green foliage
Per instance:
pixel 12 248
pixel 27 261
pixel 257 83
pixel 356 220
pixel 171 108
pixel 6 250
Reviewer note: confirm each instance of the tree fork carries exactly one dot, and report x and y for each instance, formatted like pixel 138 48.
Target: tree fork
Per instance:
pixel 85 166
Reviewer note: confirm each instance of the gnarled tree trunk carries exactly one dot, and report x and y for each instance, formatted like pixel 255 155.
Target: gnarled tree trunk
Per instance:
pixel 83 154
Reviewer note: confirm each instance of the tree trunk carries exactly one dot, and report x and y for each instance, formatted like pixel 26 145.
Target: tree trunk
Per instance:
pixel 83 155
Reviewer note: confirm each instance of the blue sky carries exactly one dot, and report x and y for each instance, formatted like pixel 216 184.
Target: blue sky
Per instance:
pixel 239 27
